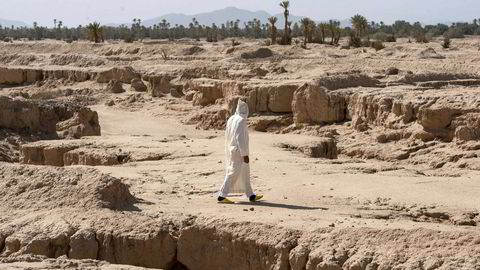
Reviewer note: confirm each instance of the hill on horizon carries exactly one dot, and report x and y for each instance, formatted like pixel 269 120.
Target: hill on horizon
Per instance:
pixel 218 17
pixel 9 23
pixel 221 16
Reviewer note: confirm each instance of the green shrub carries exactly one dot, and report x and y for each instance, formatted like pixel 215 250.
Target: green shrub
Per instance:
pixel 454 33
pixel 354 41
pixel 366 43
pixel 384 37
pixel 377 45
pixel 391 38
pixel 235 43
pixel 421 38
pixel 283 42
pixel 129 39
pixel 380 36
pixel 429 36
pixel 446 42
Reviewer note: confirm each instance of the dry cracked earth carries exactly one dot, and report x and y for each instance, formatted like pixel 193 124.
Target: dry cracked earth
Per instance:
pixel 111 154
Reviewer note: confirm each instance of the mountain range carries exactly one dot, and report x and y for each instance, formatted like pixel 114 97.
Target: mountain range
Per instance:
pixel 9 23
pixel 207 18
pixel 221 16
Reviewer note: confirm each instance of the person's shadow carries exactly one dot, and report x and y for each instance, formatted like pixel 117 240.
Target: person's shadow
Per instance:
pixel 281 205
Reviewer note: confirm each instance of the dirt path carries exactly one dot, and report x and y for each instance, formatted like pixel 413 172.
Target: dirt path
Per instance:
pixel 300 192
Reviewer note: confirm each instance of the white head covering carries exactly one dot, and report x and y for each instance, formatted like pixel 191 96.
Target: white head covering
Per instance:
pixel 242 109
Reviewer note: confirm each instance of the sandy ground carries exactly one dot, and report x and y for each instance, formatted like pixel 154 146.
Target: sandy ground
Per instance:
pixel 300 192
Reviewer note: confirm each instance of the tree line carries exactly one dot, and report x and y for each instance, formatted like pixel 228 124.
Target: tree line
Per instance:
pixel 361 31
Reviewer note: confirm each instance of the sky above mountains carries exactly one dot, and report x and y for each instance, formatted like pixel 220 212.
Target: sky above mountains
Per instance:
pixel 75 12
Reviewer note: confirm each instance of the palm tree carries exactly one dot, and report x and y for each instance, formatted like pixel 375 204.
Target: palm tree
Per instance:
pixel 285 5
pixel 321 32
pixel 360 25
pixel 37 31
pixel 59 30
pixel 257 28
pixel 95 31
pixel 273 29
pixel 307 25
pixel 195 27
pixel 236 28
pixel 334 31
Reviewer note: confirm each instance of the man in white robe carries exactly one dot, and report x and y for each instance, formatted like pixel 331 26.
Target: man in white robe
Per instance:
pixel 237 176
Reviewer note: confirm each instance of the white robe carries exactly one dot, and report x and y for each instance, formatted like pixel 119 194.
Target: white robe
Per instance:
pixel 237 176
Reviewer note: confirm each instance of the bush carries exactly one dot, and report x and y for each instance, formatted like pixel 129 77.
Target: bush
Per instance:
pixel 421 38
pixel 377 45
pixel 235 43
pixel 259 53
pixel 454 33
pixel 212 38
pixel 7 39
pixel 391 38
pixel 366 43
pixel 380 36
pixel 285 42
pixel 446 42
pixel 68 40
pixel 164 55
pixel 128 39
pixel 429 36
pixel 354 41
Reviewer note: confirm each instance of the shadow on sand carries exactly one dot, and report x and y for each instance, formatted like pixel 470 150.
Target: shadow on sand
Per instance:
pixel 280 205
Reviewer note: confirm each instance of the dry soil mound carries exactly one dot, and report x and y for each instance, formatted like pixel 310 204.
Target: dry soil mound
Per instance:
pixel 48 188
pixel 39 262
pixel 44 116
pixel 115 87
pixel 75 60
pixel 429 53
pixel 260 53
pixel 193 50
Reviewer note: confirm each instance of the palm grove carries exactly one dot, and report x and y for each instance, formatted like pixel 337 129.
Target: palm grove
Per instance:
pixel 305 31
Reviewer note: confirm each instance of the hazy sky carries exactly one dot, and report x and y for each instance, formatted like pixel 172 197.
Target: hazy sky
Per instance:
pixel 74 12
